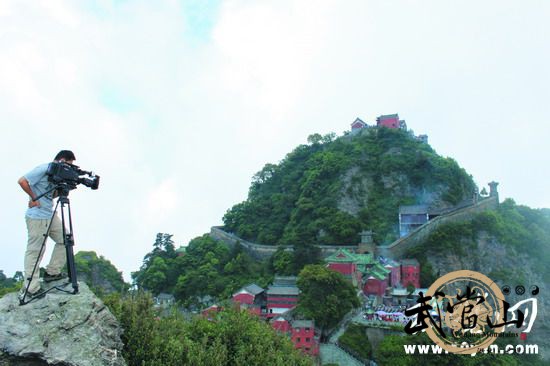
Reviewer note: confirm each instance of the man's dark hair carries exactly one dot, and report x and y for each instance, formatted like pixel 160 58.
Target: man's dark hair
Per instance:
pixel 65 154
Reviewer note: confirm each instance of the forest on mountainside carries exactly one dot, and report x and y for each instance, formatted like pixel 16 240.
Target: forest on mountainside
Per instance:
pixel 493 242
pixel 327 191
pixel 207 269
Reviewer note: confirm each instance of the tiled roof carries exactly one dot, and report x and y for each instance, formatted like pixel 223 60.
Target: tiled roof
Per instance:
pixel 387 116
pixel 254 289
pixel 284 281
pixel 283 290
pixel 302 324
pixel 365 258
pixel 345 256
pixel 377 271
pixel 413 210
pixel 341 256
pixel 400 292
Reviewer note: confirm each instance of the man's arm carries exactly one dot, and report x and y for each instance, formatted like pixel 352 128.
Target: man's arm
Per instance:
pixel 24 183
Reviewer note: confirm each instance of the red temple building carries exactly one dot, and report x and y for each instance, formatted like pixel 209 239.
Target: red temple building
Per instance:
pixel 251 297
pixel 303 336
pixel 345 263
pixel 377 279
pixel 385 120
pixel 395 272
pixel 410 273
pixel 374 276
pixel 282 296
pixel 279 323
pixel 390 121
pixel 279 298
pixel 362 270
pixel 357 125
pixel 276 303
pixel 375 286
pixel 301 333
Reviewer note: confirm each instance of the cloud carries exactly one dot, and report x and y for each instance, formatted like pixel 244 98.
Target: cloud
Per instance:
pixel 268 49
pixel 162 202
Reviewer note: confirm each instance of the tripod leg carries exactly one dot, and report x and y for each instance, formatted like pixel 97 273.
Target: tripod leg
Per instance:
pixel 69 243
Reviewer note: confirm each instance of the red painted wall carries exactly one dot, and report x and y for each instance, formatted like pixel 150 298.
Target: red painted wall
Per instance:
pixel 390 123
pixel 305 340
pixel 281 306
pixel 244 298
pixel 410 274
pixel 395 275
pixel 281 325
pixel 277 300
pixel 375 287
pixel 344 268
pixel 357 125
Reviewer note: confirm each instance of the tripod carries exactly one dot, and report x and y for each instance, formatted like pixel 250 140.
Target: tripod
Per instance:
pixel 68 240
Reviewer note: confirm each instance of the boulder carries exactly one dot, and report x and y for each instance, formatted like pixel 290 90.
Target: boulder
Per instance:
pixel 59 329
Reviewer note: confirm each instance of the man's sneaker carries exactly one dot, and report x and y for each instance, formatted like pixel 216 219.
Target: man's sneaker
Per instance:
pixel 49 278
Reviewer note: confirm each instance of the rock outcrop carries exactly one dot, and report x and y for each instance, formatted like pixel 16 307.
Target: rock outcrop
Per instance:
pixel 59 329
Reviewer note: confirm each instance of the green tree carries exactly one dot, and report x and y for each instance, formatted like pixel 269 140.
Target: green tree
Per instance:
pixel 154 277
pixel 163 247
pixel 3 279
pixel 326 296
pixel 159 272
pixel 283 262
pixel 231 338
pixel 314 138
pixel 208 267
pixel 8 284
pixel 305 254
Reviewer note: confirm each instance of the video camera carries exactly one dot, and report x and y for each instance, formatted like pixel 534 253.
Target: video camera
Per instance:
pixel 61 173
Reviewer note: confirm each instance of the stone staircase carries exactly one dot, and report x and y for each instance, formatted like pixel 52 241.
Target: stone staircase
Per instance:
pixel 331 353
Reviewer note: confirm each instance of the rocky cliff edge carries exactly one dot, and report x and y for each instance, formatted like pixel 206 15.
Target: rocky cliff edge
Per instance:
pixel 59 329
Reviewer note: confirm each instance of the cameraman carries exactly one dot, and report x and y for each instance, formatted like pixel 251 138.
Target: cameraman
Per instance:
pixel 38 217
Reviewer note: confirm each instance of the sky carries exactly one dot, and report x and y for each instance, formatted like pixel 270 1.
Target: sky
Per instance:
pixel 177 104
